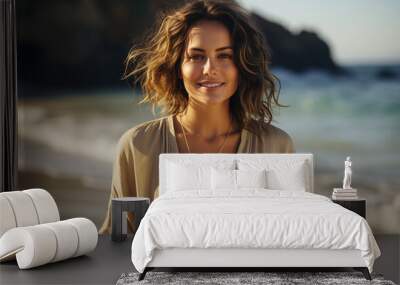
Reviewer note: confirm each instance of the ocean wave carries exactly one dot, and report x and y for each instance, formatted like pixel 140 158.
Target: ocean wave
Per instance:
pixel 90 133
pixel 332 121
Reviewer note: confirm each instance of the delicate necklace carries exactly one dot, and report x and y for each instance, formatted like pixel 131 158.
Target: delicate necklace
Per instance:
pixel 187 145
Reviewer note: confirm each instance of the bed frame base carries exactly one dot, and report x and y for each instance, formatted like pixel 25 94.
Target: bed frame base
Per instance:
pixel 143 274
pixel 364 270
pixel 251 259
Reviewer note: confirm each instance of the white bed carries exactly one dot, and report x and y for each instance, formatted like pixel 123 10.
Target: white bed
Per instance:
pixel 249 210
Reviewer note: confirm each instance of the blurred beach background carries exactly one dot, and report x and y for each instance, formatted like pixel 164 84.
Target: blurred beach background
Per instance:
pixel 67 135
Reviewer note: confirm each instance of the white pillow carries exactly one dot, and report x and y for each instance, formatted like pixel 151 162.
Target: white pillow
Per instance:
pixel 181 177
pixel 223 179
pixel 251 178
pixel 236 179
pixel 282 174
pixel 290 179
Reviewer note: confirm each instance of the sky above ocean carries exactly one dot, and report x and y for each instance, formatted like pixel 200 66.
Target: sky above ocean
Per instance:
pixel 358 31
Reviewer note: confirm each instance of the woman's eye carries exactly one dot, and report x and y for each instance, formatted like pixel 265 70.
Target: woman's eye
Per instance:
pixel 199 57
pixel 225 55
pixel 196 57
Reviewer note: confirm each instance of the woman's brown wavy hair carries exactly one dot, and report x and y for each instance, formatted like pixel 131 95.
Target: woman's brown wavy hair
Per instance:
pixel 156 63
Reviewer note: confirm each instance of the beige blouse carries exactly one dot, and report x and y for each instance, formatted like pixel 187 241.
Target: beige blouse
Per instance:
pixel 135 171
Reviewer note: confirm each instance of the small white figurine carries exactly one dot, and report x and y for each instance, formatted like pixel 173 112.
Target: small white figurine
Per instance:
pixel 347 173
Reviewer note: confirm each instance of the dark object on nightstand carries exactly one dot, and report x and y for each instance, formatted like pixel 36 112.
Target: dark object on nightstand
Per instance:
pixel 358 206
pixel 120 206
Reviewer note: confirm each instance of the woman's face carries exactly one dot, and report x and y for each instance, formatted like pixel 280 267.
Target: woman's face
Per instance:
pixel 208 70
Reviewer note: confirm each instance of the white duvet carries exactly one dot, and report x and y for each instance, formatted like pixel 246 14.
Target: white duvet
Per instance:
pixel 251 218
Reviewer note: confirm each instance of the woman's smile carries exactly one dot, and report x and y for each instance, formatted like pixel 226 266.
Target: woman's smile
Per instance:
pixel 211 85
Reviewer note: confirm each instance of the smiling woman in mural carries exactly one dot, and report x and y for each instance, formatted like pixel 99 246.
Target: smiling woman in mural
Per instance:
pixel 207 67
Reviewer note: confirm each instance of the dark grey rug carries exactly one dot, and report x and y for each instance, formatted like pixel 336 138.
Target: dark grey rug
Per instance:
pixel 270 278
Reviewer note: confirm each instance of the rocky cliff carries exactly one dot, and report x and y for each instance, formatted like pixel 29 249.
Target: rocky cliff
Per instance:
pixel 82 44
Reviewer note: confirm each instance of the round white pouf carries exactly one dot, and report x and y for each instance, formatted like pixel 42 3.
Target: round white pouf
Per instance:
pixel 45 243
pixel 33 246
pixel 46 207
pixel 67 239
pixel 23 208
pixel 87 233
pixel 6 215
